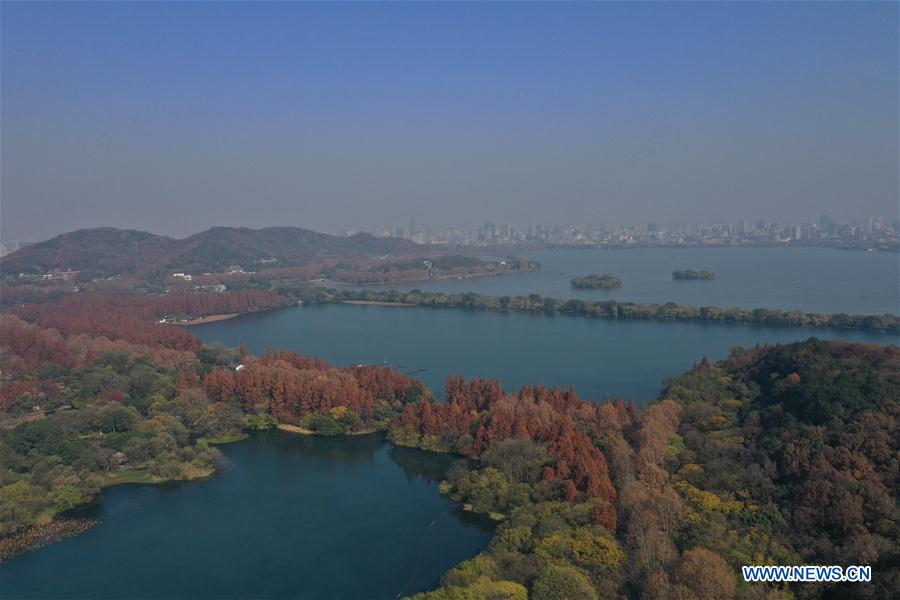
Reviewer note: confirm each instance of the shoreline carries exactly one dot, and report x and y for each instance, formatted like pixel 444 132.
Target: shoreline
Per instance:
pixel 58 529
pixel 294 429
pixel 287 427
pixel 377 303
pixel 39 536
pixel 211 319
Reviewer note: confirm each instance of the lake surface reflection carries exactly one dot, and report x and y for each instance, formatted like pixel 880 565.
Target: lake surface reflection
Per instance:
pixel 294 516
pixel 623 359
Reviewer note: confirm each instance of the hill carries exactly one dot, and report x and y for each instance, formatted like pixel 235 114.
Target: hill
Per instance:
pixel 104 250
pixel 108 251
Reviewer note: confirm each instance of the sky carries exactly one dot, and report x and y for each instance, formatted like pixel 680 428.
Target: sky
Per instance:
pixel 175 117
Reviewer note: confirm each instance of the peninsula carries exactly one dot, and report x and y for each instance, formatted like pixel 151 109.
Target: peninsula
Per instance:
pixel 600 309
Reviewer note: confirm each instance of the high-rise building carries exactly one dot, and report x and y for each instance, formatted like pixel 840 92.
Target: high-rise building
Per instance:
pixel 488 232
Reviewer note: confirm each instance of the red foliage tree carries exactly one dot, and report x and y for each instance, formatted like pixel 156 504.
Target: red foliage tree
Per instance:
pixel 291 386
pixel 553 417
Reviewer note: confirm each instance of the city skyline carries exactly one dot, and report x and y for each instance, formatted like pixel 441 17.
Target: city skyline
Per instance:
pixel 824 227
pixel 824 230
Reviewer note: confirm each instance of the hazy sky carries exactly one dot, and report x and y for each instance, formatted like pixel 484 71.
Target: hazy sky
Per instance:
pixel 174 117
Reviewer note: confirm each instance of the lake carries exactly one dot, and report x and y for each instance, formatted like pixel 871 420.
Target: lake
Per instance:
pixel 622 359
pixel 295 516
pixel 352 517
pixel 790 278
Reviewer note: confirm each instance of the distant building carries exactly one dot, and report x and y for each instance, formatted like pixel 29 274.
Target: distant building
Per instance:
pixel 61 276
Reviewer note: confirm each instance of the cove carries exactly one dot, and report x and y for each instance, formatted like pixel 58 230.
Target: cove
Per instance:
pixel 621 359
pixel 294 516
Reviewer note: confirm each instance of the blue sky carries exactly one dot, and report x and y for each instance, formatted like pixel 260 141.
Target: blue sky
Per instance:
pixel 174 117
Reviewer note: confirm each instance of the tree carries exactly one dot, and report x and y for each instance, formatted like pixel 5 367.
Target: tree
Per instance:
pixel 705 574
pixel 557 582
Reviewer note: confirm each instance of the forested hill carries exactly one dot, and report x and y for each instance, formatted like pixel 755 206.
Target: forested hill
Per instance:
pixel 791 455
pixel 108 251
pixel 779 455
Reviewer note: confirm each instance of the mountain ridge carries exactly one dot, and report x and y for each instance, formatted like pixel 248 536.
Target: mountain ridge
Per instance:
pixel 109 251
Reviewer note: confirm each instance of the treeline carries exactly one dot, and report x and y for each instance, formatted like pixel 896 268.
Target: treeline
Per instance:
pixel 132 318
pixel 478 415
pixel 11 295
pixel 193 304
pixel 308 392
pixel 111 316
pixel 602 309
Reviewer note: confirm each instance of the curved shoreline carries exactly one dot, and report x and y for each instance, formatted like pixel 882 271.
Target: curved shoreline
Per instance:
pixel 42 535
pixel 58 529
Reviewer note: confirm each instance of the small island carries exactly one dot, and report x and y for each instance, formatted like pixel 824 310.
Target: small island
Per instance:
pixel 688 274
pixel 594 281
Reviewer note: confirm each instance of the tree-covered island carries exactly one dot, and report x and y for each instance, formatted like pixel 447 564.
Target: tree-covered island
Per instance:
pixel 690 274
pixel 595 281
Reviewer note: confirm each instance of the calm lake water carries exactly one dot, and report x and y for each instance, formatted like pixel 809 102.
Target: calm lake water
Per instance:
pixel 295 517
pixel 799 278
pixel 623 359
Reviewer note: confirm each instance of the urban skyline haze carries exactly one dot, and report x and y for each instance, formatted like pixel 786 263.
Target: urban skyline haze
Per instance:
pixel 173 118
